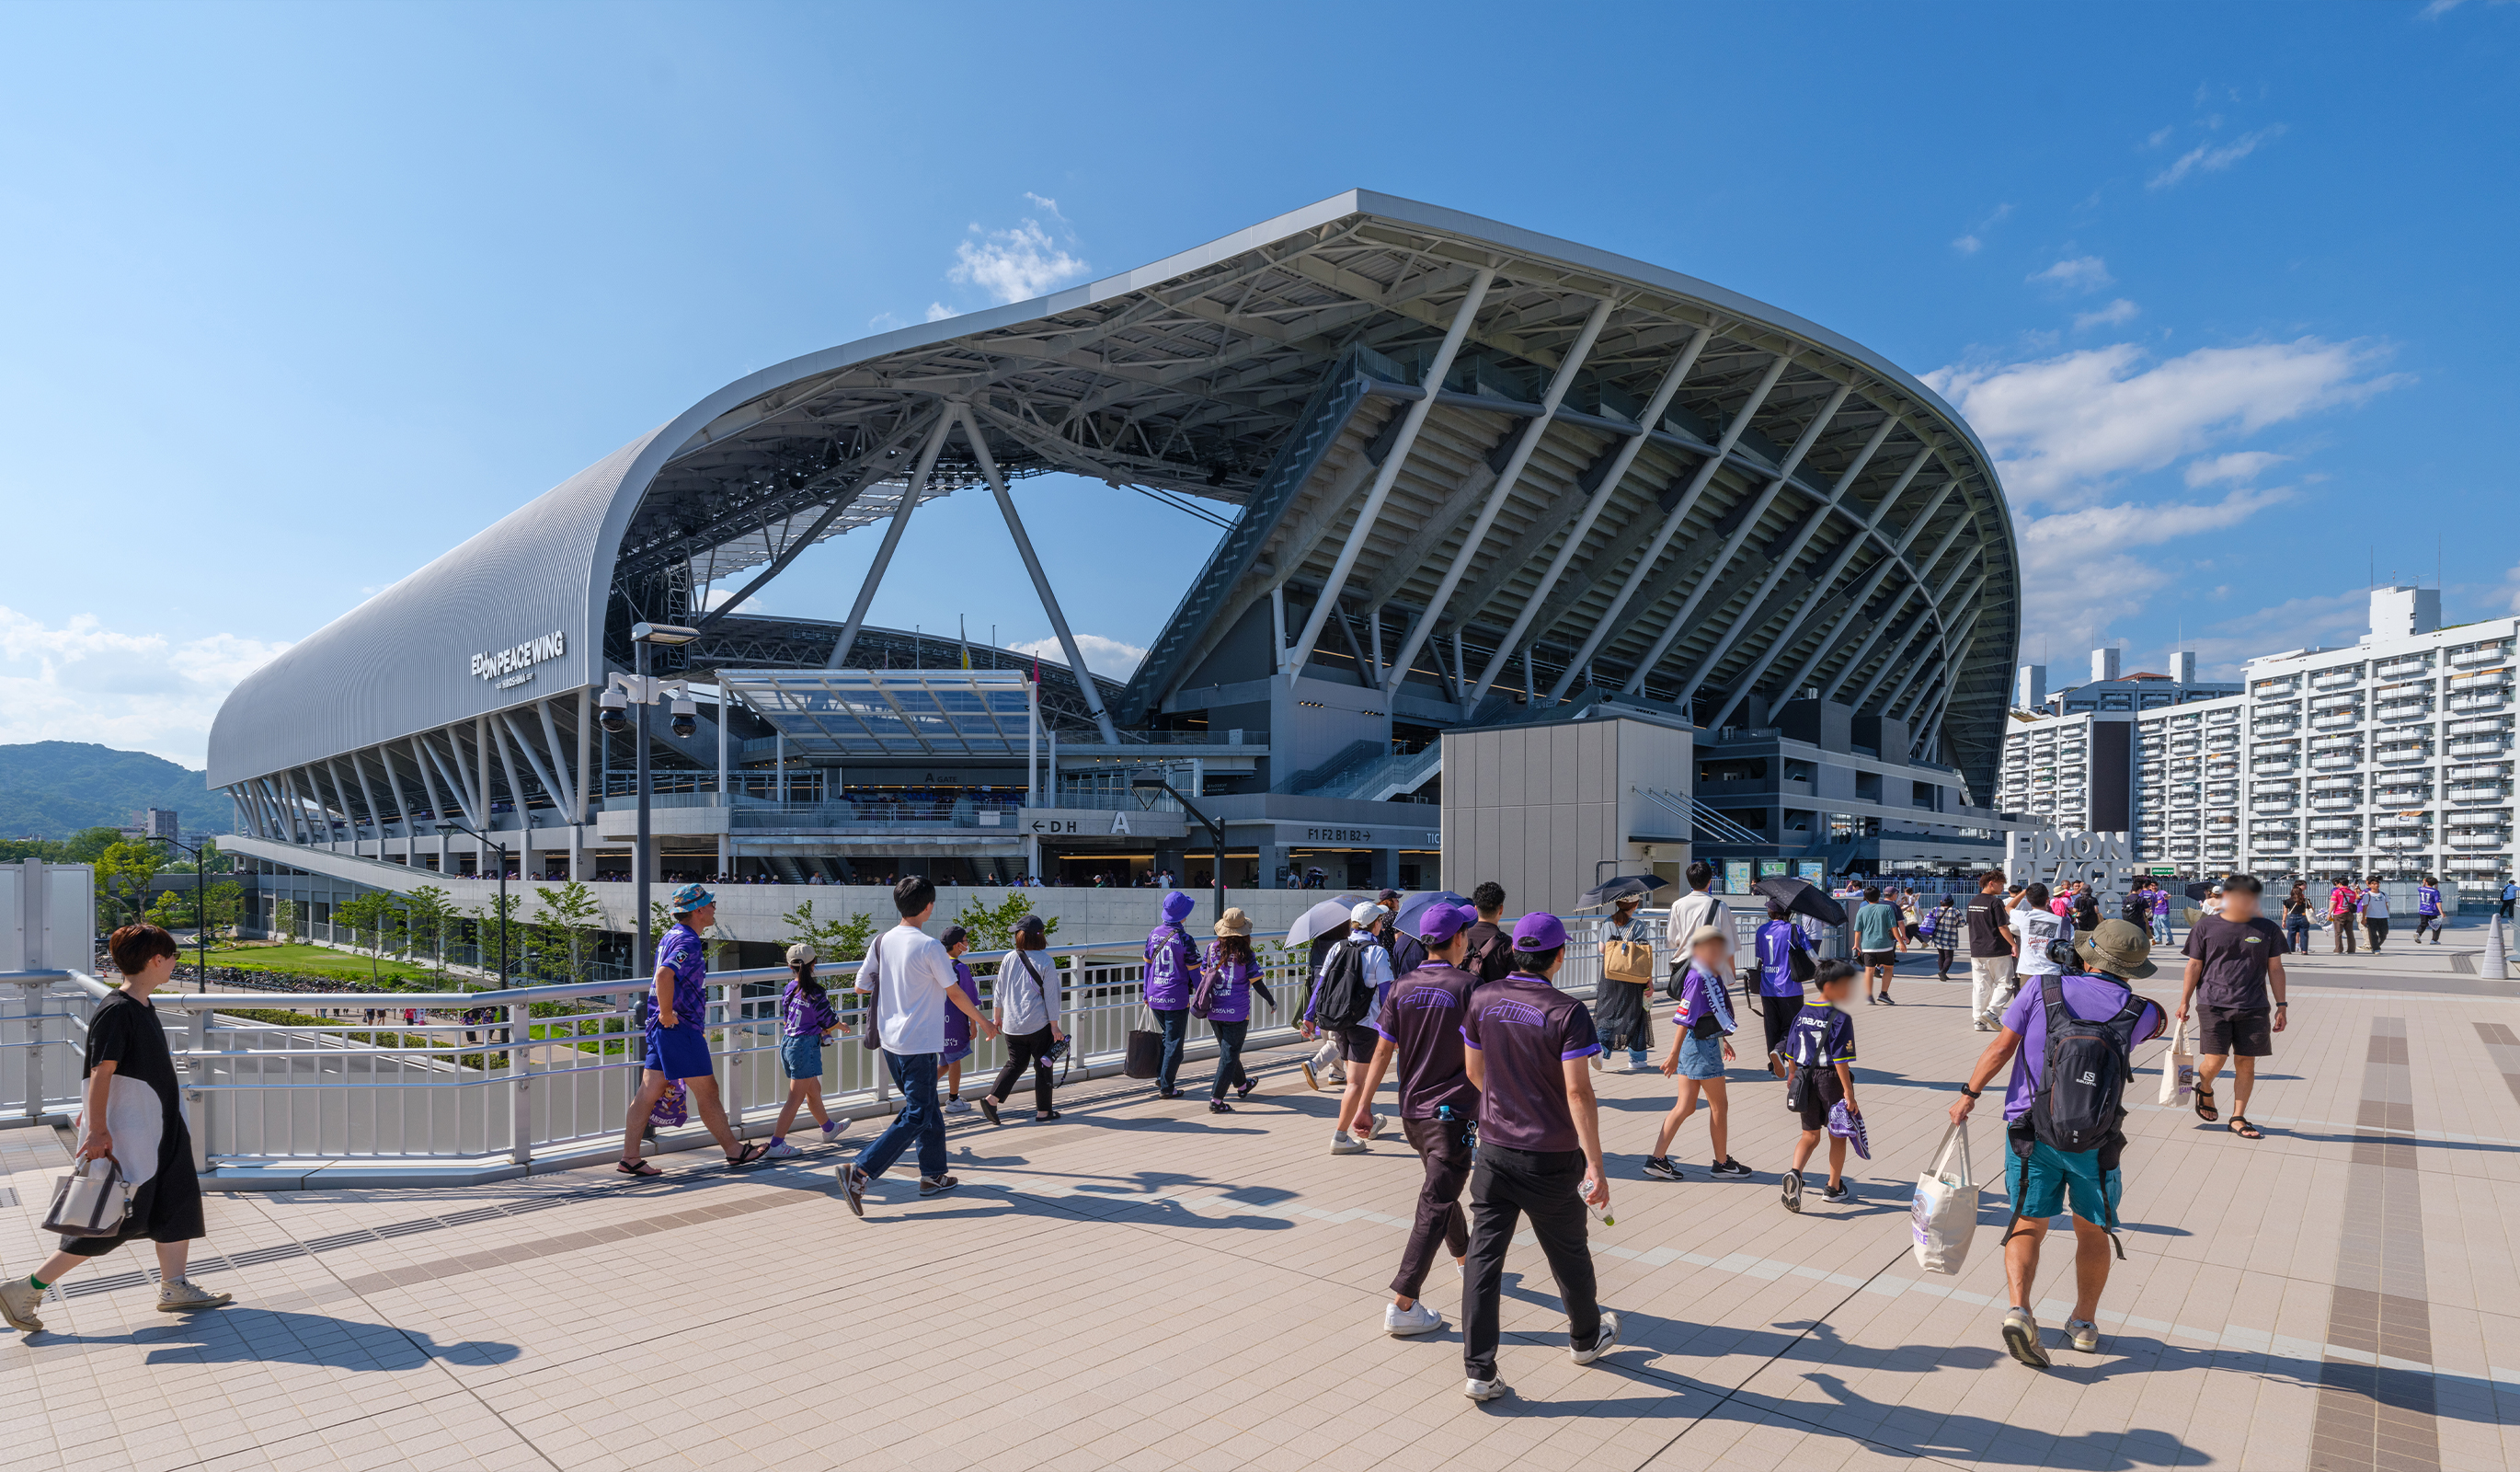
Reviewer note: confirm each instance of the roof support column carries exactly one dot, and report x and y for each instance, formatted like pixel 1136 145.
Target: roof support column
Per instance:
pixel 565 794
pixel 1731 547
pixel 1855 601
pixel 1529 441
pixel 1662 536
pixel 1574 540
pixel 1032 563
pixel 891 538
pixel 1412 421
pixel 375 816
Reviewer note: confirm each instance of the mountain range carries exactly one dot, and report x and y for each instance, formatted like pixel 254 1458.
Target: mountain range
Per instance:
pixel 53 788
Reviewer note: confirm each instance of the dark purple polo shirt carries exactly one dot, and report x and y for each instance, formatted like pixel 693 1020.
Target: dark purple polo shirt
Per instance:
pixel 1423 1021
pixel 1525 1030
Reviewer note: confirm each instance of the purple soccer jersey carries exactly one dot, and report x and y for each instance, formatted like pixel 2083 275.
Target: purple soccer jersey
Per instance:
pixel 1525 1030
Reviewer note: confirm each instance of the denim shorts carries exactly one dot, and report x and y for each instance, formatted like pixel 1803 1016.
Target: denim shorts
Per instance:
pixel 1701 1057
pixel 2044 1180
pixel 679 1053
pixel 804 1055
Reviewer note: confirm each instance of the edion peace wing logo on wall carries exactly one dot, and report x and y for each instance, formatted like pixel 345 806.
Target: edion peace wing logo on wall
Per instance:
pixel 514 664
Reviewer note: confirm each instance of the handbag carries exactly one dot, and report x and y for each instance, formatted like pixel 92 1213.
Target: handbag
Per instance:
pixel 871 982
pixel 1146 1054
pixel 2178 1065
pixel 1944 1213
pixel 86 1204
pixel 1799 961
pixel 1629 961
pixel 673 1107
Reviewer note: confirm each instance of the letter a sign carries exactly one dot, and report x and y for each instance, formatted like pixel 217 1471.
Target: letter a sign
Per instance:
pixel 1119 821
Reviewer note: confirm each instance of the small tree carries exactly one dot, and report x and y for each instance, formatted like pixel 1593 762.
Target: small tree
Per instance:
pixel 283 919
pixel 834 939
pixel 123 872
pixel 566 927
pixel 992 927
pixel 487 917
pixel 226 904
pixel 376 920
pixel 428 914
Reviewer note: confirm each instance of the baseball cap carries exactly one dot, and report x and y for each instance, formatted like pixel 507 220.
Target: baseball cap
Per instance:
pixel 1388 895
pixel 1364 912
pixel 690 897
pixel 1442 922
pixel 1539 930
pixel 802 955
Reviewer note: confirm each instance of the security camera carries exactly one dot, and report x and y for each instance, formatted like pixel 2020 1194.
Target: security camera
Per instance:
pixel 615 714
pixel 682 723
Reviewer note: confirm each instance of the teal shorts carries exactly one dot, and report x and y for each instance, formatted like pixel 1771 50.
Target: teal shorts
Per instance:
pixel 2043 1180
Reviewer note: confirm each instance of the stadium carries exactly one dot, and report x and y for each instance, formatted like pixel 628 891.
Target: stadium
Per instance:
pixel 1471 479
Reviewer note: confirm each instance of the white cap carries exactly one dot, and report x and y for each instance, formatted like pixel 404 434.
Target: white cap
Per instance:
pixel 1366 912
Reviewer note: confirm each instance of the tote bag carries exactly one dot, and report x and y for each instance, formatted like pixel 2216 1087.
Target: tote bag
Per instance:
pixel 1944 1213
pixel 2179 1066
pixel 92 1201
pixel 1146 1058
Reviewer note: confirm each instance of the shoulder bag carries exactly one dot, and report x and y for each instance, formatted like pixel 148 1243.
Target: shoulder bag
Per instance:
pixel 1629 961
pixel 87 1204
pixel 871 982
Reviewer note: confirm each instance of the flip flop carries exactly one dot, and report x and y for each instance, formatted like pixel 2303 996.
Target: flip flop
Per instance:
pixel 2242 1127
pixel 636 1168
pixel 748 1155
pixel 2205 1109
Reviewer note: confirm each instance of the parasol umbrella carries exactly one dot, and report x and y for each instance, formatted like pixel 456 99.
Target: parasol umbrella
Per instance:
pixel 1320 920
pixel 1417 905
pixel 1620 888
pixel 1800 898
pixel 2202 891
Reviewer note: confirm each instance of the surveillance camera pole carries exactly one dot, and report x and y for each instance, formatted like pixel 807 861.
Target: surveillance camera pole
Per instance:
pixel 1215 833
pixel 501 850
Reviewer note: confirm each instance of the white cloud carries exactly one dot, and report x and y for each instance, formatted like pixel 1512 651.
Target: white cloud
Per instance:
pixel 1971 243
pixel 81 681
pixel 2204 158
pixel 2083 273
pixel 1107 657
pixel 884 322
pixel 2114 314
pixel 939 312
pixel 2082 569
pixel 2158 137
pixel 1968 245
pixel 1016 264
pixel 2242 466
pixel 2085 418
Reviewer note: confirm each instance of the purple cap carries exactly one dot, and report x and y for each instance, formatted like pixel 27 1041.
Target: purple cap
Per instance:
pixel 1178 905
pixel 1388 895
pixel 1537 931
pixel 1442 922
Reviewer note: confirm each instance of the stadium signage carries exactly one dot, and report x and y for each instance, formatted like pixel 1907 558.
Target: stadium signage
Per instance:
pixel 515 657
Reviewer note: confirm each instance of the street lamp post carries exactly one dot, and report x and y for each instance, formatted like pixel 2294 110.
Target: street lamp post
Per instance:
pixel 1150 781
pixel 639 689
pixel 200 909
pixel 451 826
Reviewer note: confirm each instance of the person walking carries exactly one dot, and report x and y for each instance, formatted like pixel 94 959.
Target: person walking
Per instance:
pixel 2510 893
pixel 1491 956
pixel 1784 958
pixel 1439 1108
pixel 1941 926
pixel 678 1048
pixel 958 1022
pixel 131 1111
pixel 1877 944
pixel 1624 1017
pixel 1540 1149
pixel 806 1022
pixel 1171 958
pixel 1702 1044
pixel 1820 1051
pixel 913 982
pixel 1223 998
pixel 2035 929
pixel 1347 998
pixel 2096 1019
pixel 1991 950
pixel 2235 961
pixel 1031 997
pixel 1407 955
pixel 2375 905
pixel 2428 910
pixel 2161 907
pixel 2296 917
pixel 2344 913
pixel 1701 908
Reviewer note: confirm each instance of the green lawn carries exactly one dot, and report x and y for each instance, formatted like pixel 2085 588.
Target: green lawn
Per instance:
pixel 317 960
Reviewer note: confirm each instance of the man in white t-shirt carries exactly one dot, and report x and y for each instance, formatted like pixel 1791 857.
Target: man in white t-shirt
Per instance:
pixel 912 980
pixel 2034 927
pixel 1700 906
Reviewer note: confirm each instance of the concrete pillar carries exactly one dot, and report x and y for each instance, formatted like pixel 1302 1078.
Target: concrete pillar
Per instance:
pixel 1273 858
pixel 1386 868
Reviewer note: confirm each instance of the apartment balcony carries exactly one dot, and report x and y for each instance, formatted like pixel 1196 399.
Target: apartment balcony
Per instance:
pixel 2398 752
pixel 2472 842
pixel 2404 710
pixel 2333 761
pixel 2480 654
pixel 2480 746
pixel 2336 680
pixel 2402 667
pixel 2492 698
pixel 2478 791
pixel 2336 722
pixel 2400 796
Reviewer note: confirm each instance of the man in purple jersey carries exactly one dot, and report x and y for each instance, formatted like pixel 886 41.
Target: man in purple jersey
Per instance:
pixel 1421 1028
pixel 1539 1148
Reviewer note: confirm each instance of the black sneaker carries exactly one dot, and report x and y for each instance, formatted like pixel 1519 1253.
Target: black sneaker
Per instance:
pixel 854 1182
pixel 937 1185
pixel 989 1110
pixel 1793 1191
pixel 1660 1168
pixel 1839 1193
pixel 1728 1169
pixel 1885 999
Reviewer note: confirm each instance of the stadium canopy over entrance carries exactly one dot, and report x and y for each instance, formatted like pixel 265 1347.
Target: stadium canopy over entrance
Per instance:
pixel 1468 475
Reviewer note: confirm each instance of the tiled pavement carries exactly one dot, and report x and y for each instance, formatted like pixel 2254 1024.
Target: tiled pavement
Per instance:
pixel 1143 1285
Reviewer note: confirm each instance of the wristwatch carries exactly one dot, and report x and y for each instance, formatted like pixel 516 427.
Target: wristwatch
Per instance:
pixel 1969 1092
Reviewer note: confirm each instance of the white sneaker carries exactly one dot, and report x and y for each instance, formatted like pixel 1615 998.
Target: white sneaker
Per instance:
pixel 1417 1318
pixel 782 1150
pixel 1484 1390
pixel 2021 1338
pixel 957 1106
pixel 17 1301
pixel 183 1297
pixel 1607 1341
pixel 2083 1335
pixel 1344 1143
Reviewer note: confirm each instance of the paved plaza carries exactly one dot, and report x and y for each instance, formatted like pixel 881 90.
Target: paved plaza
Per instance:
pixel 1145 1286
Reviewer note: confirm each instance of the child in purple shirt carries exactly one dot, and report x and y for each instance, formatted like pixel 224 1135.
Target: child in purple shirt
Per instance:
pixel 958 1026
pixel 806 1018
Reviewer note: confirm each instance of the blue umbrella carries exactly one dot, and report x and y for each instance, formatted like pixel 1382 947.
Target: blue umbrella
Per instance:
pixel 1416 905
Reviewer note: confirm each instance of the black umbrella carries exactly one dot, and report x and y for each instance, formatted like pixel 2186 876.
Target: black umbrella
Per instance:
pixel 1800 897
pixel 1620 888
pixel 2203 890
pixel 1416 905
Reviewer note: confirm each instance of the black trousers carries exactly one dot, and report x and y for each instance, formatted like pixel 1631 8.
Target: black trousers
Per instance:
pixel 1444 1147
pixel 1777 1015
pixel 1025 1048
pixel 1228 1056
pixel 2379 932
pixel 1506 1186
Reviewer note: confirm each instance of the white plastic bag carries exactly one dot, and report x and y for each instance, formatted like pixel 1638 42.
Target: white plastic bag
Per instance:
pixel 1945 1210
pixel 2179 1066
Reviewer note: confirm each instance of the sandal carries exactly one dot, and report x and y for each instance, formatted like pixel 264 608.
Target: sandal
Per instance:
pixel 2205 1109
pixel 2242 1127
pixel 637 1168
pixel 1045 1118
pixel 747 1156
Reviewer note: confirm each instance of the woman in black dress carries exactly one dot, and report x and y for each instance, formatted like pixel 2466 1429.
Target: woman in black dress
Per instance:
pixel 134 1113
pixel 1621 1012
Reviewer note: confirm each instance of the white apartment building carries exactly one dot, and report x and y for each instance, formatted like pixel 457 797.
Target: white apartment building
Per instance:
pixel 2067 771
pixel 2188 760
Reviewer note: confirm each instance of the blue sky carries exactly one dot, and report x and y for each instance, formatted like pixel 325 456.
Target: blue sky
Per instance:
pixel 302 295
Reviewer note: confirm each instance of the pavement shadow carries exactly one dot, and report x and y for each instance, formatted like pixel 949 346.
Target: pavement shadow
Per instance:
pixel 242 1334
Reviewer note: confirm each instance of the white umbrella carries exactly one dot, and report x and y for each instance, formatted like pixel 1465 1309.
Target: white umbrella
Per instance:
pixel 1320 919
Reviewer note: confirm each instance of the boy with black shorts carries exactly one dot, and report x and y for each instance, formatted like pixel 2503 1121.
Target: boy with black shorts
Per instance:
pixel 2234 960
pixel 1819 1052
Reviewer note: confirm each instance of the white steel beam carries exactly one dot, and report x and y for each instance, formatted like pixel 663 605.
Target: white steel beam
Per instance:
pixel 891 539
pixel 1663 534
pixel 1616 473
pixel 1414 419
pixel 960 411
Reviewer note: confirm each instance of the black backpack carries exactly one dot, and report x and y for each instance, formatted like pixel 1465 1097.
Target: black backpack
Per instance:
pixel 1345 997
pixel 2137 910
pixel 2081 1085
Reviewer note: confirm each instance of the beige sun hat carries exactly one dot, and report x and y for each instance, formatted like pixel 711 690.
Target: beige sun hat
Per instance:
pixel 1233 923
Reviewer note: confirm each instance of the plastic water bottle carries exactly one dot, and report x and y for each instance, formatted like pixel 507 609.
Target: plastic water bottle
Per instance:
pixel 1601 1215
